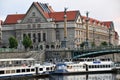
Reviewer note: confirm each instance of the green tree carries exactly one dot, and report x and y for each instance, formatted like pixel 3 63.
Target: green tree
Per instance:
pixel 27 43
pixel 82 44
pixel 13 43
pixel 104 44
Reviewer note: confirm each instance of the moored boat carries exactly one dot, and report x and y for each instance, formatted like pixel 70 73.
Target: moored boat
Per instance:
pixel 23 67
pixel 86 65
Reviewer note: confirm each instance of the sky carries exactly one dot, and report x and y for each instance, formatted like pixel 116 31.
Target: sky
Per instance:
pixel 103 10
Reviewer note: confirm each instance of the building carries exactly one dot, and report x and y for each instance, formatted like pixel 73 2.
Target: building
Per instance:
pixel 0 32
pixel 45 27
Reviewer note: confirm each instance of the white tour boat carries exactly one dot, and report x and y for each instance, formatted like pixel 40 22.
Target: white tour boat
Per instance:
pixel 85 65
pixel 23 67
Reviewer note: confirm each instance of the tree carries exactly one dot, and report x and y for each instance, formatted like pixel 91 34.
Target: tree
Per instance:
pixel 13 43
pixel 82 44
pixel 27 43
pixel 104 44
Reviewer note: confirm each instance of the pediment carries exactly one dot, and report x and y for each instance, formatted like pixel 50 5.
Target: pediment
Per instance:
pixel 33 15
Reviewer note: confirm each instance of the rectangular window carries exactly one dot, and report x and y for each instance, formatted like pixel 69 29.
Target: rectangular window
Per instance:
pixel 29 20
pixel 39 37
pixel 34 37
pixel 44 36
pixel 41 69
pixel 23 70
pixel 18 70
pixel 1 72
pixel 24 35
pixel 28 70
pixel 38 25
pixel 32 69
pixel 29 35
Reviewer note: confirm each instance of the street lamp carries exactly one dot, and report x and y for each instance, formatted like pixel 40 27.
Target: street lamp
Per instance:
pixel 110 29
pixel 87 31
pixel 93 36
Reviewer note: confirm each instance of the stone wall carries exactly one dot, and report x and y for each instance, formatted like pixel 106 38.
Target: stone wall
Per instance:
pixel 37 55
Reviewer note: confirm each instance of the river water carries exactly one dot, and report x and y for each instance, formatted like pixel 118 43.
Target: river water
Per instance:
pixel 98 76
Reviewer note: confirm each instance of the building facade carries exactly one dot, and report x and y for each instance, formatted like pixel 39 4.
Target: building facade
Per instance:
pixel 0 32
pixel 45 27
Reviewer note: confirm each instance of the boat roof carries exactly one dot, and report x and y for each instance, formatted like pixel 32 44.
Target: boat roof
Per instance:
pixel 17 59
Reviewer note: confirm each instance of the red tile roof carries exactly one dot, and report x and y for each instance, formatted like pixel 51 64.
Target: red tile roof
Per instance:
pixel 12 19
pixel 59 16
pixel 108 23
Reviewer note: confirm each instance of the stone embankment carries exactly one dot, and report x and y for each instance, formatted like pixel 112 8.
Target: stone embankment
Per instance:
pixel 38 55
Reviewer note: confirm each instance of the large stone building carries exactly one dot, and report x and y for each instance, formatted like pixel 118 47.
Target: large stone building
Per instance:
pixel 45 27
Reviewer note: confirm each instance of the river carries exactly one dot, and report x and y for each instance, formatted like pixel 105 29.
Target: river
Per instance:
pixel 99 76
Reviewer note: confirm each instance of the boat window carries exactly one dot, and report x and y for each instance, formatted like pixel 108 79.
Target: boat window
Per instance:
pixel 23 70
pixel 98 66
pixel 51 68
pixel 103 66
pixel 95 66
pixel 84 66
pixel 89 66
pixel 7 71
pixel 92 66
pixel 109 65
pixel 28 70
pixel 1 72
pixel 18 70
pixel 32 69
pixel 47 68
pixel 12 71
pixel 41 69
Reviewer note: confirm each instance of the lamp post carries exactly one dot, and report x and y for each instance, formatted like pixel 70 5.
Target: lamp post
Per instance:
pixel 94 36
pixel 87 31
pixel 110 36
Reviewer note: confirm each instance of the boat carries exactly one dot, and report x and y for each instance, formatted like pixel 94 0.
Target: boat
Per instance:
pixel 23 67
pixel 98 64
pixel 85 65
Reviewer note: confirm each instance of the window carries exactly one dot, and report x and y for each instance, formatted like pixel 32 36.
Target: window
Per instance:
pixel 24 35
pixel 29 20
pixel 33 14
pixel 23 70
pixel 34 25
pixel 29 35
pixel 44 36
pixel 38 20
pixel 34 37
pixel 41 69
pixel 33 69
pixel 47 68
pixel 29 26
pixel 28 70
pixel 38 25
pixel 18 71
pixel 39 37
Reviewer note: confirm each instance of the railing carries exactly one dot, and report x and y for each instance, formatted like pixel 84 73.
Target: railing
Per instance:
pixel 95 51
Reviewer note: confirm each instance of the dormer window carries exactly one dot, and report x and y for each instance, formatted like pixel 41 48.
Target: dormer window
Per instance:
pixel 33 14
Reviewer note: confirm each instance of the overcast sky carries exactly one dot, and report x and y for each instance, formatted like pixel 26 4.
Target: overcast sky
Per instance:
pixel 103 10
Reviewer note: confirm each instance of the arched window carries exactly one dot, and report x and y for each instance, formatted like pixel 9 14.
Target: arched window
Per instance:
pixel 47 46
pixel 52 46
